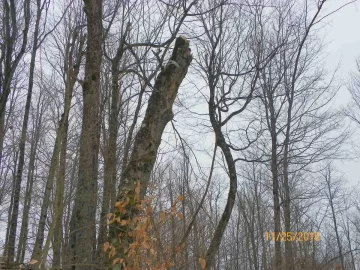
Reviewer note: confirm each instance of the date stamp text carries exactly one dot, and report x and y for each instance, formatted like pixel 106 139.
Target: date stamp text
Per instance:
pixel 292 236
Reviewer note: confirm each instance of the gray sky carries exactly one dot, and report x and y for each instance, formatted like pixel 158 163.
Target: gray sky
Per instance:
pixel 343 39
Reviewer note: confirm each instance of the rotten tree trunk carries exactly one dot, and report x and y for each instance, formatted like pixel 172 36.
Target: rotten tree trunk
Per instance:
pixel 147 140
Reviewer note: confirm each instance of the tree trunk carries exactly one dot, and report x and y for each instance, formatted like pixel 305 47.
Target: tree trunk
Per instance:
pixel 2 135
pixel 289 256
pixel 225 217
pixel 29 186
pixel 17 188
pixel 72 72
pixel 331 198
pixel 60 179
pixel 83 220
pixel 11 59
pixel 110 157
pixel 271 118
pixel 66 250
pixel 276 200
pixel 11 204
pixel 59 148
pixel 147 140
pixel 39 240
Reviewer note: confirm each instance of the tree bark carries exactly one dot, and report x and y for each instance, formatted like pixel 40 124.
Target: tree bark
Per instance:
pixel 83 220
pixel 148 139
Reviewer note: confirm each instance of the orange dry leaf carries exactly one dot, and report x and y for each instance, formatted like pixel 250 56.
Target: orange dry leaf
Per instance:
pixel 148 210
pixel 117 204
pixel 202 263
pixel 121 209
pixel 180 216
pixel 123 222
pixel 106 246
pixel 145 245
pixel 33 261
pixel 135 220
pixel 117 260
pixel 162 216
pixel 126 202
pixel 118 220
pixel 173 210
pixel 112 252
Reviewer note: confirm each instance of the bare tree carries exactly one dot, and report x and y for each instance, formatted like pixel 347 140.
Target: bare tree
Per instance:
pixel 332 193
pixel 11 52
pixel 38 38
pixel 352 111
pixel 226 44
pixel 37 133
pixel 251 123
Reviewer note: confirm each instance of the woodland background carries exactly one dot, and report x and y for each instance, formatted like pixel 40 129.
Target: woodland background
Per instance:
pixel 253 146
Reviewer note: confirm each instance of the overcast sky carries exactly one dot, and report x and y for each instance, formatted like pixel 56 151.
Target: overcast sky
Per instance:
pixel 343 39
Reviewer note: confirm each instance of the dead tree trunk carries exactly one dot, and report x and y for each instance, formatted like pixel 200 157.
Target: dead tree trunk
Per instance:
pixel 147 140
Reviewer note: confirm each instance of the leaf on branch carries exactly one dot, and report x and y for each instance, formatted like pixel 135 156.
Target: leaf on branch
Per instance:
pixel 106 246
pixel 162 216
pixel 126 202
pixel 121 210
pixel 180 216
pixel 112 252
pixel 202 263
pixel 146 245
pixel 124 222
pixel 33 261
pixel 117 260
pixel 112 220
pixel 148 210
pixel 173 210
pixel 118 220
